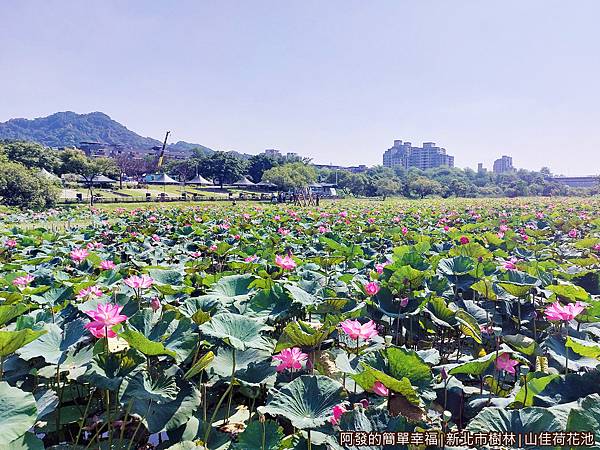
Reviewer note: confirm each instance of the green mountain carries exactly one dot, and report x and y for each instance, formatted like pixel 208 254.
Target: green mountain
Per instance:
pixel 68 129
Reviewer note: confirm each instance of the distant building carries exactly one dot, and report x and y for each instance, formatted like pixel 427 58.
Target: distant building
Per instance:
pixel 403 154
pixel 503 165
pixel 272 153
pixel 578 182
pixel 291 155
pixel 480 168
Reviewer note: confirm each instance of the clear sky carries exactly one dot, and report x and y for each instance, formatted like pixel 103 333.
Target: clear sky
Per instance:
pixel 336 80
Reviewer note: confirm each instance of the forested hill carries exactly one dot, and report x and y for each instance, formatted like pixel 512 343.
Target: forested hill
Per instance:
pixel 67 129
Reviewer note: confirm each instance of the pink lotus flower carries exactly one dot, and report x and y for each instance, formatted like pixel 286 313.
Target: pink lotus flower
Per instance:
pixel 105 317
pixel 464 240
pixel 539 215
pixel 511 264
pixel 143 282
pixel 380 389
pixel 156 238
pixel 573 233
pixel 404 231
pixel 10 243
pixel 283 231
pixel 338 410
pixel 89 292
pixel 107 265
pixel 404 302
pixel 79 254
pixel 196 254
pixel 246 216
pixel 371 220
pixel 23 281
pixel 505 363
pixel 285 262
pixel 355 330
pixel 556 311
pixel 372 288
pixel 597 247
pixel 379 267
pixel 213 248
pixel 343 214
pixel 503 228
pixel 290 358
pixel 250 259
pixel 323 229
pixel 155 304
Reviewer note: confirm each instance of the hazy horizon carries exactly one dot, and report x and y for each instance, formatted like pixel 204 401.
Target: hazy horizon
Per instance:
pixel 335 81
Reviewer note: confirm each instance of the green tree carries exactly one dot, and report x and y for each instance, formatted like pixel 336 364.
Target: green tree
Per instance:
pixel 25 188
pixel 31 155
pixel 224 168
pixel 259 164
pixel 388 186
pixel 422 186
pixel 291 176
pixel 75 161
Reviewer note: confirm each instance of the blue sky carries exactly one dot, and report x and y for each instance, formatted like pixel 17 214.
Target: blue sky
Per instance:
pixel 335 80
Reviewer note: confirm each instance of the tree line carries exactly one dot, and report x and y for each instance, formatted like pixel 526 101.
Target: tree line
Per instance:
pixel 21 183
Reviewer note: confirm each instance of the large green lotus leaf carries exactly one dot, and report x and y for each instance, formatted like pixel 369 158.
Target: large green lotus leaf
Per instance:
pixel 206 303
pixel 302 334
pixel 175 335
pixel 468 325
pixel 569 292
pixel 568 389
pixel 440 313
pixel 582 347
pixel 108 373
pixel 472 250
pixel 486 289
pixel 75 364
pixel 367 378
pixel 526 420
pixel 141 386
pixel 408 364
pixel 555 347
pixel 516 290
pixel 406 277
pixel 536 383
pixel 54 345
pixel 459 265
pixel 29 441
pixel 274 303
pixel 236 330
pixel 166 277
pixel 301 296
pixel 18 413
pixel 307 401
pixel 9 312
pixel 521 343
pixel 474 367
pixel 11 341
pixel 586 416
pixel 258 435
pixel 53 296
pixel 222 364
pixel 157 412
pixel 233 286
pixel 141 343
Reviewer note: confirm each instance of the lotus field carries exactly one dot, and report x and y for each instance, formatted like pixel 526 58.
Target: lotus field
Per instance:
pixel 276 327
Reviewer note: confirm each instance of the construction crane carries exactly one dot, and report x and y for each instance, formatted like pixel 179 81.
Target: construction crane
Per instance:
pixel 161 155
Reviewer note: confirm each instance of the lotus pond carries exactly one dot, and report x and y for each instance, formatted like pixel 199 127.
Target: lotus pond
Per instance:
pixel 275 327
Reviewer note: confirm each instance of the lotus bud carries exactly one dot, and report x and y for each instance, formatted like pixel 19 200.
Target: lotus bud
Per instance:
pixel 388 340
pixel 444 374
pixel 447 416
